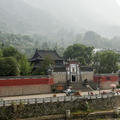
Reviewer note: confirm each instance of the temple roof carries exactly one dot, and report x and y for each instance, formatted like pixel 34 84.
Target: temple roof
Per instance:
pixel 86 68
pixel 41 54
pixel 60 69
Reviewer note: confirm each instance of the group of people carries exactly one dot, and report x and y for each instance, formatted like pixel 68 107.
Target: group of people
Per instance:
pixel 91 93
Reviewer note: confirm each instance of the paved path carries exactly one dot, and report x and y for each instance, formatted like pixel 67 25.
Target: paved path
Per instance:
pixel 45 95
pixel 32 96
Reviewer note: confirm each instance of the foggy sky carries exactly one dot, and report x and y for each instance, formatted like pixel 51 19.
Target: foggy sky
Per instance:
pixel 101 16
pixel 103 11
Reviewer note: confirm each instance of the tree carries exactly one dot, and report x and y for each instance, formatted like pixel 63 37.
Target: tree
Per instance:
pixel 25 67
pixel 22 60
pixel 45 45
pixel 45 65
pixel 106 62
pixel 1 54
pixel 79 51
pixel 12 52
pixel 9 67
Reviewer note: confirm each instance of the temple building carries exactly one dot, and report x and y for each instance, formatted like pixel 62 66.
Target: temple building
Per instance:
pixel 41 54
pixel 63 69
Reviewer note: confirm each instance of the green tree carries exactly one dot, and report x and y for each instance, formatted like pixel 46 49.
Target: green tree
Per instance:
pixel 12 52
pixel 106 62
pixel 22 60
pixel 79 51
pixel 25 67
pixel 1 54
pixel 45 64
pixel 9 67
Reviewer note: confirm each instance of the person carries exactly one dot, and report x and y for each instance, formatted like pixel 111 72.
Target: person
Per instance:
pixel 86 80
pixel 113 89
pixel 68 89
pixel 92 93
pixel 68 92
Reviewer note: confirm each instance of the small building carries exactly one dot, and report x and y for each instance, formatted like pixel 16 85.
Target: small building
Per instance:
pixel 105 80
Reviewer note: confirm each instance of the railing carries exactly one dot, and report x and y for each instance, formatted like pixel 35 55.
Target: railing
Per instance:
pixel 53 99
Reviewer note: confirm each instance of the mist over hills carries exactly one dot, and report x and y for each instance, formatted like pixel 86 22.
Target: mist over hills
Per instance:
pixel 101 16
pixel 58 25
pixel 50 17
pixel 19 17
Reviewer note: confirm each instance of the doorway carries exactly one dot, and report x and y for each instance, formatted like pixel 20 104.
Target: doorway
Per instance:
pixel 73 78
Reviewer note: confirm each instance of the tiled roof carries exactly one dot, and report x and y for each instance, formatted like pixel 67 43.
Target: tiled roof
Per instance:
pixel 59 69
pixel 41 54
pixel 86 68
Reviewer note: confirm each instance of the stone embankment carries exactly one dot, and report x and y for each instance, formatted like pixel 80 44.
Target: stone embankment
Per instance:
pixel 58 109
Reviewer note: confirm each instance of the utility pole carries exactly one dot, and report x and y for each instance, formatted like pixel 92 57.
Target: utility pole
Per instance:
pixel 99 81
pixel 119 77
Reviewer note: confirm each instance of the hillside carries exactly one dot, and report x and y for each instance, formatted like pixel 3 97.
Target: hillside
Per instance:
pixel 78 16
pixel 28 28
pixel 28 44
pixel 19 17
pixel 100 16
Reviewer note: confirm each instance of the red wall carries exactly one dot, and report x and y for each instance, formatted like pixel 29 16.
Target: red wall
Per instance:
pixel 25 81
pixel 104 78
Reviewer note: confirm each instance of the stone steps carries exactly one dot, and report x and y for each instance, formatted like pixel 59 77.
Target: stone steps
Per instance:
pixel 80 86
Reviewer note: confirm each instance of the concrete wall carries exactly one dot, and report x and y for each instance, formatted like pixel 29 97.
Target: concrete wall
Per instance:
pixel 88 75
pixel 106 84
pixel 24 90
pixel 59 77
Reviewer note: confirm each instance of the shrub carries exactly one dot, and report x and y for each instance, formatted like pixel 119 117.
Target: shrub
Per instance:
pixel 118 86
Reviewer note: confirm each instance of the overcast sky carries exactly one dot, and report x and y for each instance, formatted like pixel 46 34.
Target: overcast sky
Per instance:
pixel 118 1
pixel 104 11
pixel 96 15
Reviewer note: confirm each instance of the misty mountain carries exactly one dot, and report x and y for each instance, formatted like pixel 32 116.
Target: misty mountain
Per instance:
pixel 101 16
pixel 60 19
pixel 17 16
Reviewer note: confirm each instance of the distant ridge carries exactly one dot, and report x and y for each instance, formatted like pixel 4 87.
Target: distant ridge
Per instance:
pixel 17 16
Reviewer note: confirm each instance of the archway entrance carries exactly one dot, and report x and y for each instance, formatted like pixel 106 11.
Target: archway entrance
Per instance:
pixel 73 78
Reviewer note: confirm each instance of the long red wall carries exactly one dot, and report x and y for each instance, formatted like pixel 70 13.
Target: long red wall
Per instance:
pixel 25 81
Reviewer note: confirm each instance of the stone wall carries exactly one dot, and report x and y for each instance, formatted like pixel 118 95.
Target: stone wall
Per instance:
pixel 24 90
pixel 104 103
pixel 106 84
pixel 88 75
pixel 43 109
pixel 59 77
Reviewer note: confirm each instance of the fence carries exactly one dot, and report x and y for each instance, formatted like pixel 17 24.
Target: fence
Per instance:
pixel 53 99
pixel 52 107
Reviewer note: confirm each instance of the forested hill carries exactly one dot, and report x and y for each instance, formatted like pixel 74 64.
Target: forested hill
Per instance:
pixel 18 17
pixel 28 44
